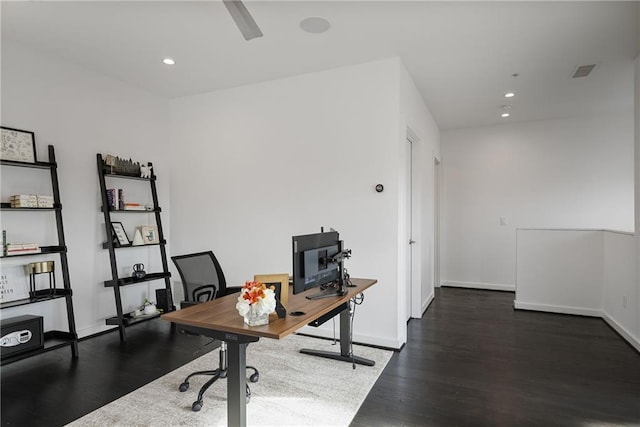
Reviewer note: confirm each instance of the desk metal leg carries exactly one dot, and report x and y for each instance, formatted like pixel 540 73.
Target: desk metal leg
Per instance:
pixel 345 354
pixel 236 384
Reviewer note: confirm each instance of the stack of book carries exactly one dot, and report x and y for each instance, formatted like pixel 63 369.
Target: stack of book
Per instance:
pixel 45 201
pixel 24 201
pixel 115 198
pixel 31 201
pixel 134 207
pixel 21 249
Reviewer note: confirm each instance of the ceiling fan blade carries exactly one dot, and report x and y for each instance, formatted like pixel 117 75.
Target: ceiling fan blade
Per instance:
pixel 243 19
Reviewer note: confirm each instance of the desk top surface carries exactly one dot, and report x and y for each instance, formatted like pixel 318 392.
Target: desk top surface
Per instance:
pixel 221 313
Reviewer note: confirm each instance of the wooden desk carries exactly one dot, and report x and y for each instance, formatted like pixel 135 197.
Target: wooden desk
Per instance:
pixel 219 319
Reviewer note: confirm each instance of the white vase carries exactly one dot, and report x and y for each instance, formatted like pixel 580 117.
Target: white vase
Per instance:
pixel 252 318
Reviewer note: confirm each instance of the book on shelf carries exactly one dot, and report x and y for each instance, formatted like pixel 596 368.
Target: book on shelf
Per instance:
pixel 31 201
pixel 24 201
pixel 22 248
pixel 120 198
pixel 134 207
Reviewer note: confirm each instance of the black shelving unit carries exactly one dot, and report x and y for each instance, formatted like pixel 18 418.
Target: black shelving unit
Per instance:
pixel 122 319
pixel 55 338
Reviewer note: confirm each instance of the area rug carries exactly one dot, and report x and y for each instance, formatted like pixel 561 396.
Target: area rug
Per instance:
pixel 294 390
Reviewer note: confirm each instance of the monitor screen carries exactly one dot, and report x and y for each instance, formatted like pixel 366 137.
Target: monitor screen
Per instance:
pixel 312 260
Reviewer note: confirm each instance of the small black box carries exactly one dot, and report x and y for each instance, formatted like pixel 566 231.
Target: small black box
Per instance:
pixel 20 334
pixel 164 301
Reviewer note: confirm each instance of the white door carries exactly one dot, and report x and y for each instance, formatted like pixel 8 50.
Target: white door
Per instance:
pixel 436 222
pixel 409 229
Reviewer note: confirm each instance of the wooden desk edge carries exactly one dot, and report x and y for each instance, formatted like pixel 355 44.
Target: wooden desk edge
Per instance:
pixel 221 314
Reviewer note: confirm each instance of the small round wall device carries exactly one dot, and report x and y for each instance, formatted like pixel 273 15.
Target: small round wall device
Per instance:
pixel 379 188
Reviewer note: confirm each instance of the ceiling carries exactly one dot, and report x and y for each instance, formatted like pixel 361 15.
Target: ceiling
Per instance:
pixel 461 55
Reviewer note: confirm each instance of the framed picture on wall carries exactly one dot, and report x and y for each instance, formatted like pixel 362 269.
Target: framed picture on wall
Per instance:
pixel 18 145
pixel 119 234
pixel 279 281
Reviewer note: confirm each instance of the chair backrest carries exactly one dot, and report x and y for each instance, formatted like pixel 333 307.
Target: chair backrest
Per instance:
pixel 202 276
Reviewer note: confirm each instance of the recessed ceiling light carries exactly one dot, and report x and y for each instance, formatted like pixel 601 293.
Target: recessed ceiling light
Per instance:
pixel 509 94
pixel 315 25
pixel 168 61
pixel 504 115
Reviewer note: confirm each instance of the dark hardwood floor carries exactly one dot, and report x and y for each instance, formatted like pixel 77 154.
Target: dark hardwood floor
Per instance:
pixel 474 361
pixel 471 361
pixel 53 389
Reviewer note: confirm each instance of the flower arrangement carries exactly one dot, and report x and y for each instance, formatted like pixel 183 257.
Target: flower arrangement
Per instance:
pixel 256 299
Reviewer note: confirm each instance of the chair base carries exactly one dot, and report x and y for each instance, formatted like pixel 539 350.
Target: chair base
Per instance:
pixel 215 374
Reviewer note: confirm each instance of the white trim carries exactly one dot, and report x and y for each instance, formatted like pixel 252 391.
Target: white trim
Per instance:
pixel 412 136
pixel 617 327
pixel 557 309
pixel 479 285
pixel 635 343
pixel 427 302
pixel 628 233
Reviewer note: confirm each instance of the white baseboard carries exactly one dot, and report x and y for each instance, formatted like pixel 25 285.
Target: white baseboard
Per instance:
pixel 557 309
pixel 634 341
pixel 427 303
pixel 624 333
pixel 478 285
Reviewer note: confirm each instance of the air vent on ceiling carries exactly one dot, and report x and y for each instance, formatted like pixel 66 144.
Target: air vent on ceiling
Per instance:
pixel 583 71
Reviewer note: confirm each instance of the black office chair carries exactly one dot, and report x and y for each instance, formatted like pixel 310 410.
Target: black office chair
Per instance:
pixel 203 280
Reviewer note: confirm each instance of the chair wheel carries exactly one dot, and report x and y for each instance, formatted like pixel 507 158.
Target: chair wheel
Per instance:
pixel 197 405
pixel 254 377
pixel 184 386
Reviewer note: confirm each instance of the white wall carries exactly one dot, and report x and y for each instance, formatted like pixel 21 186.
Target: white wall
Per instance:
pixel 257 164
pixel 584 272
pixel 620 285
pixel 572 173
pixel 81 113
pixel 637 165
pixel 560 271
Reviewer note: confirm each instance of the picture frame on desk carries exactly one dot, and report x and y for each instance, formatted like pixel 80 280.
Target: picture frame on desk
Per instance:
pixel 279 281
pixel 17 145
pixel 120 234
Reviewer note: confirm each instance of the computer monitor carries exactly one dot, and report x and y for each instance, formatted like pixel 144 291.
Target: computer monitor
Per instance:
pixel 315 264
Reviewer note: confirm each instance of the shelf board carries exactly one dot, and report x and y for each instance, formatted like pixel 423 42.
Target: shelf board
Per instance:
pixel 36 165
pixel 39 296
pixel 52 341
pixel 32 209
pixel 128 319
pixel 118 175
pixel 44 250
pixel 133 281
pixel 105 245
pixel 133 210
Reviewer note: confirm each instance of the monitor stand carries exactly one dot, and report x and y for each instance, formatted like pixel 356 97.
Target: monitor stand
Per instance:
pixel 334 290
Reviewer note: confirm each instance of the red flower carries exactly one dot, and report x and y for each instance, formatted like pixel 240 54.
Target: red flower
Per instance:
pixel 253 291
